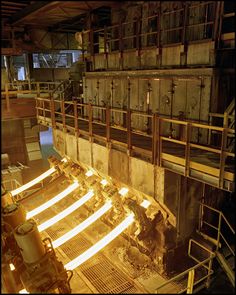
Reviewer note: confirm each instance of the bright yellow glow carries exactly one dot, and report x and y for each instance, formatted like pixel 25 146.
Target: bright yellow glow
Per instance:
pixel 23 291
pixel 89 173
pixel 100 244
pixel 145 204
pixel 64 160
pixel 65 212
pixel 32 182
pixel 104 182
pixel 123 191
pixel 12 267
pixel 54 200
pixel 82 225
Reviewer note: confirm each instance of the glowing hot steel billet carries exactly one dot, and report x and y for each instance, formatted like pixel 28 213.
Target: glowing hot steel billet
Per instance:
pixel 100 244
pixel 54 200
pixel 82 225
pixel 145 204
pixel 123 191
pixel 32 182
pixel 65 212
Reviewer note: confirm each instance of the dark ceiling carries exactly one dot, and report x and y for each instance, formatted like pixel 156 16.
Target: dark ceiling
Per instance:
pixel 55 15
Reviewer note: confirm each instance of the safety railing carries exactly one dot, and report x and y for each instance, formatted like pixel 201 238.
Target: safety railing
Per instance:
pixel 189 23
pixel 212 223
pixel 25 87
pixel 10 184
pixel 196 277
pixel 147 135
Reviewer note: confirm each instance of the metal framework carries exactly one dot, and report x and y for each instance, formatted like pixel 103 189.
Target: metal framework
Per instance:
pixel 80 119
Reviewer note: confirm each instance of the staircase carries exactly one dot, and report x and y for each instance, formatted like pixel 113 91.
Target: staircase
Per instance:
pixel 227 261
pixel 224 249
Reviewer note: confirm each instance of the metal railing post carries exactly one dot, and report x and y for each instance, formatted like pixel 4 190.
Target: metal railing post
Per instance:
pixel 52 106
pixel 222 157
pixel 218 233
pixel 190 281
pixel 128 122
pixel 76 117
pixel 63 114
pixel 7 97
pixel 154 139
pixel 208 281
pixel 90 115
pixel 108 128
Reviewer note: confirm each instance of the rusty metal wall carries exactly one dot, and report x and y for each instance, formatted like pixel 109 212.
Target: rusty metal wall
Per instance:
pixel 178 97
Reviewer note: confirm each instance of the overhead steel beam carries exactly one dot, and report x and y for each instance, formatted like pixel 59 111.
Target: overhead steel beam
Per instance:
pixel 64 24
pixel 18 17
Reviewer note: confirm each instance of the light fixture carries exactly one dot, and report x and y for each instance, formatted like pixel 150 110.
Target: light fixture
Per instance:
pixel 54 200
pixel 145 204
pixel 32 182
pixel 89 173
pixel 69 235
pixel 12 267
pixel 100 244
pixel 123 191
pixel 104 182
pixel 66 212
pixel 23 291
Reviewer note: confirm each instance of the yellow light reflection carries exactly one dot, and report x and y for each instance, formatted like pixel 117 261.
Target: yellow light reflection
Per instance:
pixel 145 204
pixel 23 291
pixel 65 212
pixel 82 225
pixel 123 191
pixel 32 182
pixel 100 244
pixel 54 200
pixel 12 267
pixel 64 160
pixel 89 173
pixel 104 182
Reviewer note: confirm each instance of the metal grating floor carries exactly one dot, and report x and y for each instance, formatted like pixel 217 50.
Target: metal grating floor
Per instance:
pixel 99 271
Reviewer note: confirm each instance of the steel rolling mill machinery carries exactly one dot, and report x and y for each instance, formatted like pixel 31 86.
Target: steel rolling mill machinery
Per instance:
pixel 30 263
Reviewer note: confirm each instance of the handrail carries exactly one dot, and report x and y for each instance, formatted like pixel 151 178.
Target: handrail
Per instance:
pixel 124 119
pixel 137 34
pixel 221 217
pixel 193 268
pixel 197 266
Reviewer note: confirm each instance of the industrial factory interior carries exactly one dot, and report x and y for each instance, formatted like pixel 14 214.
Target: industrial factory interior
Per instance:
pixel 117 147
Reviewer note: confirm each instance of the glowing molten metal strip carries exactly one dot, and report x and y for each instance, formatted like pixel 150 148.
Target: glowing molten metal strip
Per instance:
pixel 100 244
pixel 32 182
pixel 82 225
pixel 145 204
pixel 54 200
pixel 66 212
